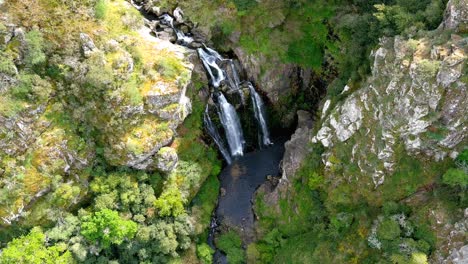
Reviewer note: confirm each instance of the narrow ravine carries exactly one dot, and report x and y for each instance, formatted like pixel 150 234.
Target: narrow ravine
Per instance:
pixel 244 172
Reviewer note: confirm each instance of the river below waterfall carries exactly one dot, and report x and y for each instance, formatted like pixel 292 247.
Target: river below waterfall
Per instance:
pixel 239 181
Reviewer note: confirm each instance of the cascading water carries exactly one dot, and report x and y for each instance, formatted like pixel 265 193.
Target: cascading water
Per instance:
pixel 182 39
pixel 213 131
pixel 232 127
pixel 259 110
pixel 212 62
pixel 236 206
pixel 234 80
pixel 209 58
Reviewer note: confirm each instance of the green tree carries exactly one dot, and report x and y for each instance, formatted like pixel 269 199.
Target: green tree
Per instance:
pixel 35 48
pixel 170 203
pixel 389 230
pixel 231 243
pixel 456 177
pixel 32 249
pixel 205 253
pixel 107 227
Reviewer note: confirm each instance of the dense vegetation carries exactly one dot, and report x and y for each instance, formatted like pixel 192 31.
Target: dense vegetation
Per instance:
pixel 100 210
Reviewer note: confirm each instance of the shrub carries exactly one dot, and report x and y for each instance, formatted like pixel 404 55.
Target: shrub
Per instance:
pixel 35 48
pixel 428 68
pixel 244 5
pixel 404 15
pixel 32 249
pixel 389 230
pixel 24 87
pixel 6 64
pixel 455 177
pixel 315 180
pixel 169 67
pixel 132 19
pixel 230 243
pixel 100 9
pixel 132 92
pixel 205 253
pixel 170 203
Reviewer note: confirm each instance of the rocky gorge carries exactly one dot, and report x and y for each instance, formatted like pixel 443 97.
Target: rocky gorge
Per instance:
pixel 115 118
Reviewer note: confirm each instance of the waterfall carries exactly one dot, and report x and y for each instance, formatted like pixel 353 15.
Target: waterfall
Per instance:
pixel 234 80
pixel 260 115
pixel 232 127
pixel 209 59
pixel 213 131
pixel 182 39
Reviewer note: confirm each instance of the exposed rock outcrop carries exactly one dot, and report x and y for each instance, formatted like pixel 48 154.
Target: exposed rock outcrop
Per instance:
pixel 274 81
pixel 145 119
pixel 411 110
pixel 87 45
pixel 414 97
pixel 297 148
pixel 456 16
pixel 129 88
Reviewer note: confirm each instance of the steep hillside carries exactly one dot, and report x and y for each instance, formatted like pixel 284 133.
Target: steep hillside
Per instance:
pixel 93 123
pixel 383 178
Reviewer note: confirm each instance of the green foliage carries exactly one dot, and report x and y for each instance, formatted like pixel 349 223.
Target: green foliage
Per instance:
pixel 160 240
pixel 107 227
pixel 32 249
pixel 6 64
pixel 315 180
pixel 244 5
pixel 265 250
pixel 35 48
pixel 389 230
pixel 170 67
pixel 205 253
pixel 456 177
pixel 300 249
pixel 231 244
pixel 462 158
pixel 132 92
pixel 126 191
pixel 24 88
pixel 405 16
pixel 205 201
pixel 100 9
pixel 170 203
pixel 132 19
pixel 428 68
pixel 309 50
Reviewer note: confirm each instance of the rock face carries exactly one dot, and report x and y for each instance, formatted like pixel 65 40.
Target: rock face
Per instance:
pixel 129 89
pixel 274 81
pixel 87 45
pixel 144 121
pixel 411 110
pixel 297 147
pixel 415 98
pixel 166 159
pixel 455 242
pixel 456 16
pixel 295 151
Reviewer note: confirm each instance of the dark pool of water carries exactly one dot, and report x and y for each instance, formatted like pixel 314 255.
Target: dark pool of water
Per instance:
pixel 239 181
